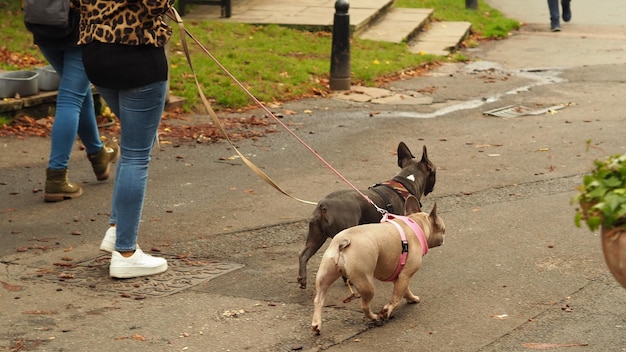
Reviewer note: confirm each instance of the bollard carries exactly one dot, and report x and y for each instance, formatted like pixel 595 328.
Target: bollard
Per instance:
pixel 471 4
pixel 340 55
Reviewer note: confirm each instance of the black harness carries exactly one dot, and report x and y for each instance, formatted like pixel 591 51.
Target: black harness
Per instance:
pixel 398 188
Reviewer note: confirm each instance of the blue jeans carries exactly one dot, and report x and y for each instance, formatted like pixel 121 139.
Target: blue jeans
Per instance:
pixel 74 107
pixel 553 6
pixel 139 111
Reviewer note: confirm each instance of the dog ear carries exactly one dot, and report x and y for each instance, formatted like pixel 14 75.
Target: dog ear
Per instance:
pixel 425 155
pixel 433 213
pixel 430 170
pixel 404 155
pixel 411 206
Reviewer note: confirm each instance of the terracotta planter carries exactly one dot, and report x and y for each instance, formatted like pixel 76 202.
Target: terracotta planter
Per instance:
pixel 614 249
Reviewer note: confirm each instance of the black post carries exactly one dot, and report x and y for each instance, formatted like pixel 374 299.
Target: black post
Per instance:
pixel 340 55
pixel 471 4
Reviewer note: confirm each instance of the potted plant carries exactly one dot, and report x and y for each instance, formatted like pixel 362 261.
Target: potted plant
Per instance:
pixel 602 201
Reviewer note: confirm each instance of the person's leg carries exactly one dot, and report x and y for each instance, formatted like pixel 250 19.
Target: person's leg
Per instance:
pixel 101 156
pixel 139 111
pixel 71 101
pixel 555 24
pixel 567 10
pixel 70 97
pixel 87 126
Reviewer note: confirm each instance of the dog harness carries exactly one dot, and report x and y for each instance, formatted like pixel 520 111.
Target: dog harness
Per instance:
pixel 398 188
pixel 405 244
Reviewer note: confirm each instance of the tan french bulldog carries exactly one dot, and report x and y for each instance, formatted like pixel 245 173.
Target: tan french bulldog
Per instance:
pixel 389 251
pixel 346 208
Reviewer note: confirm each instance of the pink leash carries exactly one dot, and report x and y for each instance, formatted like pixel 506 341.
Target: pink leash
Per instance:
pixel 417 230
pixel 176 17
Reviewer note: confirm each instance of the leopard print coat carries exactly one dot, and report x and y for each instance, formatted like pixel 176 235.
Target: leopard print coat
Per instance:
pixel 128 22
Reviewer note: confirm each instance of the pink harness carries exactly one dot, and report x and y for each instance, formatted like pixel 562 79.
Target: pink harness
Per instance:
pixel 405 244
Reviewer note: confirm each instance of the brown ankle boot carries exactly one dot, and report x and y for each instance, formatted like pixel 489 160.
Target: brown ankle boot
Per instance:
pixel 102 160
pixel 58 188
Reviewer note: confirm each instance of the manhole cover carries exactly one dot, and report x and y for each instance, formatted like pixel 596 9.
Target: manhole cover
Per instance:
pixel 519 110
pixel 93 273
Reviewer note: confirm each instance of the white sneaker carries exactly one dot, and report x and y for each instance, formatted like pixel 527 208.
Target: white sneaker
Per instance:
pixel 139 264
pixel 108 242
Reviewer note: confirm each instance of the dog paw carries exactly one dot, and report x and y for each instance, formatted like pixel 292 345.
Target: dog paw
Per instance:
pixel 384 313
pixel 315 329
pixel 371 316
pixel 413 300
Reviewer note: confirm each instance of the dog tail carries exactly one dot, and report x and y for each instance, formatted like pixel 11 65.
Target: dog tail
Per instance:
pixel 340 260
pixel 343 244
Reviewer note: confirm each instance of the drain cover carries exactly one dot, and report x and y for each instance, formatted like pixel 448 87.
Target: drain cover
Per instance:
pixel 93 273
pixel 519 110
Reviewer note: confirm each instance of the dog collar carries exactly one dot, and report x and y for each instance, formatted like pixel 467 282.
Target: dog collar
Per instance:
pixel 405 244
pixel 399 188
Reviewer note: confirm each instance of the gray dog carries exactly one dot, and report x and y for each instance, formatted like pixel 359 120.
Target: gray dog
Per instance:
pixel 340 210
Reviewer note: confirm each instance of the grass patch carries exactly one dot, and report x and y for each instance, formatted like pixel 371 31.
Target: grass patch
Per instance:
pixel 5 120
pixel 275 63
pixel 486 22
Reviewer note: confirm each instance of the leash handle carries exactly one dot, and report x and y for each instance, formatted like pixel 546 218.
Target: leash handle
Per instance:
pixel 216 120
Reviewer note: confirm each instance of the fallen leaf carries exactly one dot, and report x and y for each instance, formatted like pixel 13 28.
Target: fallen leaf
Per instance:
pixel 10 288
pixel 138 337
pixel 545 346
pixel 39 312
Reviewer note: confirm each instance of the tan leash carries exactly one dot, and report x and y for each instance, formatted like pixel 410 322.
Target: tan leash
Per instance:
pixel 217 121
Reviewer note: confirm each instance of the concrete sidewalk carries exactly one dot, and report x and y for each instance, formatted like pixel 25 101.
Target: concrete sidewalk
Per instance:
pixel 375 20
pixel 304 13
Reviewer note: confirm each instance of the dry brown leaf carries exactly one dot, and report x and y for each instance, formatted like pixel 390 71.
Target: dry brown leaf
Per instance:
pixel 10 288
pixel 138 337
pixel 40 312
pixel 545 346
